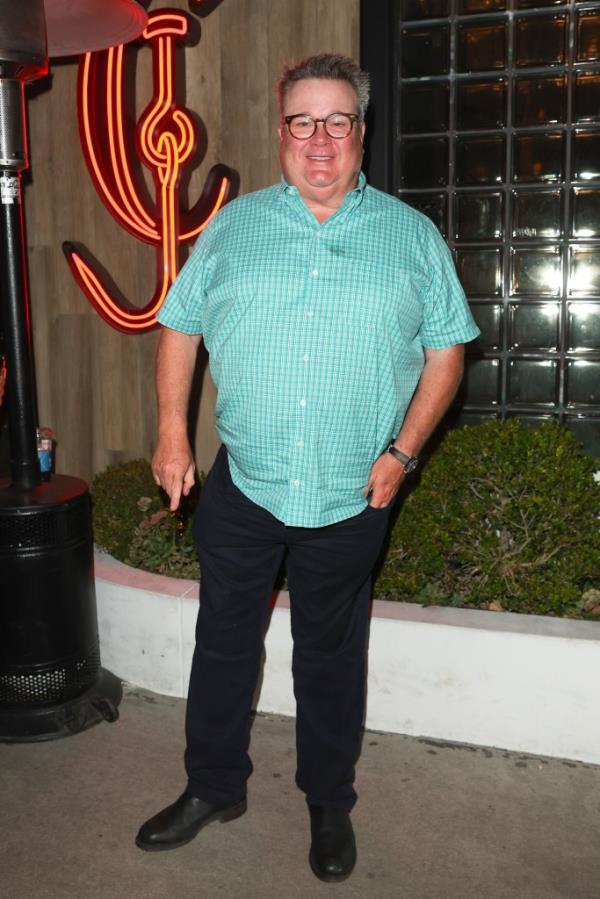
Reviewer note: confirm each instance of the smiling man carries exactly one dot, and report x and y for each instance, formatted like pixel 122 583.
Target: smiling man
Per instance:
pixel 335 326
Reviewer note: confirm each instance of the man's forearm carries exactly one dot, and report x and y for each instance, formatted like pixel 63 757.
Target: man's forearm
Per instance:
pixel 175 364
pixel 437 387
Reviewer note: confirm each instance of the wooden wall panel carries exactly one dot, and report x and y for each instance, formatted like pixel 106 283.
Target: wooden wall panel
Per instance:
pixel 95 385
pixel 72 386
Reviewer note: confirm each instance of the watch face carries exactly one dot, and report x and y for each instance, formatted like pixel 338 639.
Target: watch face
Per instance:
pixel 411 465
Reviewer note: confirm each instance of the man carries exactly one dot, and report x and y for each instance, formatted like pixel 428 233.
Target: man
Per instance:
pixel 328 310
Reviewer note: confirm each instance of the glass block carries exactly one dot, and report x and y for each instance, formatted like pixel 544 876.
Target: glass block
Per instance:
pixel 539 101
pixel 587 431
pixel 538 157
pixel 540 41
pixel 584 271
pixel 586 212
pixel 424 107
pixel 424 163
pixel 432 205
pixel 479 216
pixel 463 418
pixel 532 382
pixel 480 104
pixel 537 4
pixel 481 46
pixel 588 36
pixel 480 160
pixel 586 156
pixel 425 51
pixel 481 384
pixel 536 214
pixel 480 272
pixel 534 326
pixel 489 320
pixel 530 419
pixel 468 7
pixel 583 382
pixel 586 97
pixel 536 272
pixel 424 9
pixel 583 327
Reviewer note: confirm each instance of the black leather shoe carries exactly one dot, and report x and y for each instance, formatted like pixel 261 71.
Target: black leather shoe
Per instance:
pixel 333 849
pixel 179 823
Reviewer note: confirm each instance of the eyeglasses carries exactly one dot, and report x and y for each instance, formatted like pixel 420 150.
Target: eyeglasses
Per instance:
pixel 337 125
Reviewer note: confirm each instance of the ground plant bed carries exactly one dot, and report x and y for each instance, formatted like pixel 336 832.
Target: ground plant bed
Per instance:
pixel 485 629
pixel 503 517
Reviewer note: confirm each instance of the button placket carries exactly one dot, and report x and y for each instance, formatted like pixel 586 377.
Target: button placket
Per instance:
pixel 298 442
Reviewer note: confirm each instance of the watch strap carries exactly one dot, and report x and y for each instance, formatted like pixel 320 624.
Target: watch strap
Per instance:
pixel 409 462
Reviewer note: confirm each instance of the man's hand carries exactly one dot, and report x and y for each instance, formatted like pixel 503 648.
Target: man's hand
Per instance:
pixel 385 478
pixel 173 468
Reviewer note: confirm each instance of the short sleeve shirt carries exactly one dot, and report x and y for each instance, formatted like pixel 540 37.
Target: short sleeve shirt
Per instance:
pixel 316 336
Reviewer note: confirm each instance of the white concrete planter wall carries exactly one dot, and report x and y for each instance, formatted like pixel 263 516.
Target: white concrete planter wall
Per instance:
pixel 525 683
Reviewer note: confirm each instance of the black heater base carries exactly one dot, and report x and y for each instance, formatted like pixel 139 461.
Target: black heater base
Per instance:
pixel 51 680
pixel 31 725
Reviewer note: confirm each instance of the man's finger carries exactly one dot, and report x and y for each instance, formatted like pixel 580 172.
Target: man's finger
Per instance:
pixel 378 502
pixel 175 494
pixel 188 480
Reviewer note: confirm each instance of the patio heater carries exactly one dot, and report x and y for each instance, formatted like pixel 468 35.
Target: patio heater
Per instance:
pixel 51 680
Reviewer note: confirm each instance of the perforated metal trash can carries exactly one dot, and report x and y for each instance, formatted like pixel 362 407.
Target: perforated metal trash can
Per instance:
pixel 51 680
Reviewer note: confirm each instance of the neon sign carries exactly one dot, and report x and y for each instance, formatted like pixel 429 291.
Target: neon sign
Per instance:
pixel 165 141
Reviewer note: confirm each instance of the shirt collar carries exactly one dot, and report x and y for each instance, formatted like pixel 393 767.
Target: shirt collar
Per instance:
pixel 353 197
pixel 290 190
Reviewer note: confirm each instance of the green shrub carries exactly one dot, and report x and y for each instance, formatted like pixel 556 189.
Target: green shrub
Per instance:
pixel 164 544
pixel 116 495
pixel 505 515
pixel 132 521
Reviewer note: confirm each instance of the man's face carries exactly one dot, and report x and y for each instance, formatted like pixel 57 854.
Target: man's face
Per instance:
pixel 323 168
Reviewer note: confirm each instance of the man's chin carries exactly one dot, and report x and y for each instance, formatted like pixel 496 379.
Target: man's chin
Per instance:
pixel 320 179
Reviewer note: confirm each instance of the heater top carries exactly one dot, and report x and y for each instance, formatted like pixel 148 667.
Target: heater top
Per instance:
pixel 81 26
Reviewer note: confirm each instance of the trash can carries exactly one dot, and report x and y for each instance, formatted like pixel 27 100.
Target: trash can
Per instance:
pixel 51 680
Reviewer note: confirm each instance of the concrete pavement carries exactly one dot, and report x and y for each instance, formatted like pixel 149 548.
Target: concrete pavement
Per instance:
pixel 434 821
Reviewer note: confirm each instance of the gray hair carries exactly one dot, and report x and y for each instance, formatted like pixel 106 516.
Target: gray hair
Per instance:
pixel 327 65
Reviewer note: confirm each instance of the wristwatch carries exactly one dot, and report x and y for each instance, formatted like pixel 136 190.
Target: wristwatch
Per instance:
pixel 409 462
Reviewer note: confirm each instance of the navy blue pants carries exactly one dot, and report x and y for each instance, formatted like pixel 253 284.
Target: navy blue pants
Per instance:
pixel 241 547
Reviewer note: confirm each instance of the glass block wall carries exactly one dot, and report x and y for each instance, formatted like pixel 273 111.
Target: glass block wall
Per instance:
pixel 496 111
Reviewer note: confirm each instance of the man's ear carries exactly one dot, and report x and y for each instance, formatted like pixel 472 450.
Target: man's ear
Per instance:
pixel 362 132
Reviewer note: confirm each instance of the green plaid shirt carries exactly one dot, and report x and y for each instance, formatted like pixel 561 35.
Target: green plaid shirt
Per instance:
pixel 315 335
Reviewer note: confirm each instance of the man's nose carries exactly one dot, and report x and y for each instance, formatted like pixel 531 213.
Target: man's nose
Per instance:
pixel 320 133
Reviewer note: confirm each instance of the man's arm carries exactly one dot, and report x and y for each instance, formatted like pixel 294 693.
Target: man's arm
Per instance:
pixel 172 463
pixel 435 391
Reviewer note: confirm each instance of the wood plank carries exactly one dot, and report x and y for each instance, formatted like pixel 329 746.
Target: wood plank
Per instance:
pixel 71 382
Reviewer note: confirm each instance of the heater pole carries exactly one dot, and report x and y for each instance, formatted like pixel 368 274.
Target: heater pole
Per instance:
pixel 14 299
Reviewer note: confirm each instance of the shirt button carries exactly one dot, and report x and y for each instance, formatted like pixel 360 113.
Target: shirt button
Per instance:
pixel 295 483
pixel 303 402
pixel 299 442
pixel 305 357
pixel 315 272
pixel 309 313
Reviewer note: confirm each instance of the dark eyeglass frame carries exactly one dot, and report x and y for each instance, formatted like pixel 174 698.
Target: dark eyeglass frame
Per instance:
pixel 354 118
